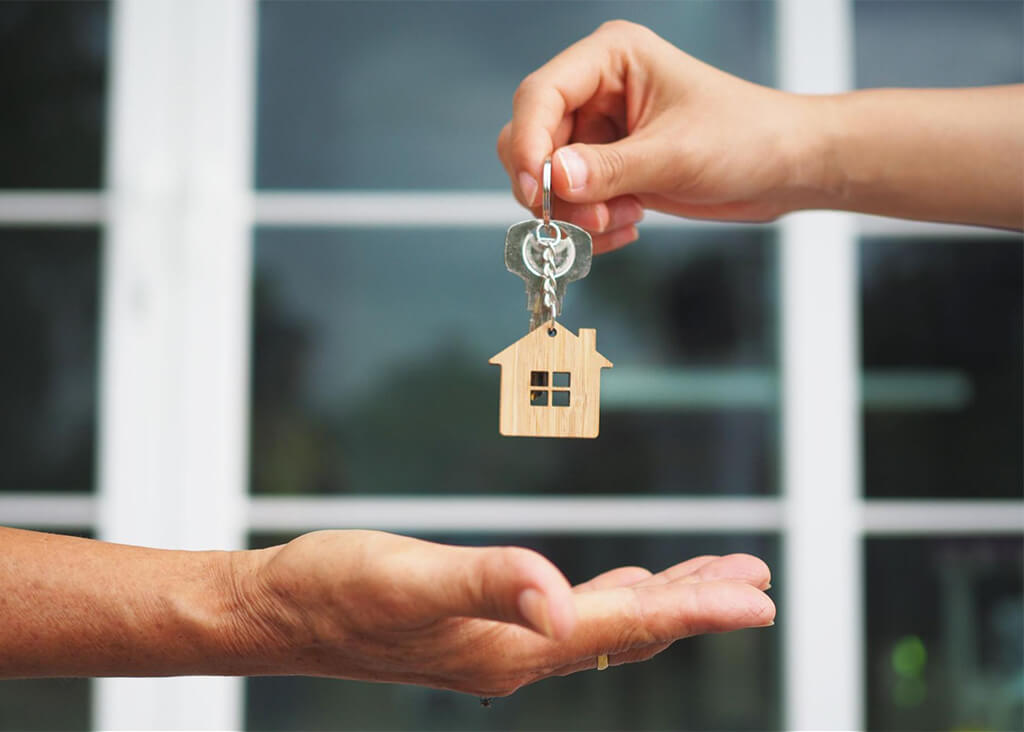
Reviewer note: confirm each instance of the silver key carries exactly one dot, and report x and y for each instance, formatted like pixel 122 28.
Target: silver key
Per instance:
pixel 524 257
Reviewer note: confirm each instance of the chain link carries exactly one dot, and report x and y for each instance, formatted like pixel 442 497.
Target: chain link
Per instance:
pixel 548 243
pixel 550 293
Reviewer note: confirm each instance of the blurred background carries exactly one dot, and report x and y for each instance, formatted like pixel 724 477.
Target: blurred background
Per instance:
pixel 250 251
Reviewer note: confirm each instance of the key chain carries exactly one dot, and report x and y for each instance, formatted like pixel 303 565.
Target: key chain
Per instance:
pixel 551 377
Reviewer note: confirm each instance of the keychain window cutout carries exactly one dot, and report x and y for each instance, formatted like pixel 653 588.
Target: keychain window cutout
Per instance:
pixel 559 396
pixel 532 371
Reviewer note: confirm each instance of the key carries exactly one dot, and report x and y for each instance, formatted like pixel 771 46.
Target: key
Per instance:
pixel 524 257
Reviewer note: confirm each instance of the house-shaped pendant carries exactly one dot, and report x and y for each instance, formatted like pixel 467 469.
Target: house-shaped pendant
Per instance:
pixel 551 384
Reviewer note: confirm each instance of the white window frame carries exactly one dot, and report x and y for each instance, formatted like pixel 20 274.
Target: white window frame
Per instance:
pixel 174 353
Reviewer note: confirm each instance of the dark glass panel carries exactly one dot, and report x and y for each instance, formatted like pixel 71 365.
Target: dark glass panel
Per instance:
pixel 952 308
pixel 923 43
pixel 49 290
pixel 53 73
pixel 945 626
pixel 370 368
pixel 407 95
pixel 713 682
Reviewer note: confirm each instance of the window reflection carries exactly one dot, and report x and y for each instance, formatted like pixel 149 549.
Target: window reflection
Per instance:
pixel 945 633
pixel 404 95
pixel 363 339
pixel 911 43
pixel 944 319
pixel 53 65
pixel 49 283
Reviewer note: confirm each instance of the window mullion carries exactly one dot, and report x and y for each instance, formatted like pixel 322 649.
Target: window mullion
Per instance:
pixel 175 312
pixel 822 554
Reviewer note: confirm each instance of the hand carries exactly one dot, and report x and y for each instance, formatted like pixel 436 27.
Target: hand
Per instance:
pixel 636 123
pixel 375 606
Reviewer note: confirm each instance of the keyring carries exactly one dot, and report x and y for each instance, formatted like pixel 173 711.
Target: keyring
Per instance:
pixel 546 188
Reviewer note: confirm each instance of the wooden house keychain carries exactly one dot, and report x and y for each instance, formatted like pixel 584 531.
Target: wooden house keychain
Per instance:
pixel 551 377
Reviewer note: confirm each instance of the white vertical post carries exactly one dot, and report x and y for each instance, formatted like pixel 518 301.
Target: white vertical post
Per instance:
pixel 820 411
pixel 175 313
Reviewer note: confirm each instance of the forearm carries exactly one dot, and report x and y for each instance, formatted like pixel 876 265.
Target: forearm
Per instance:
pixel 952 155
pixel 77 607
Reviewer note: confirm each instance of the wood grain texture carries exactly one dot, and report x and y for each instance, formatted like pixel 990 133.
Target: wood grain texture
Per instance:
pixel 562 352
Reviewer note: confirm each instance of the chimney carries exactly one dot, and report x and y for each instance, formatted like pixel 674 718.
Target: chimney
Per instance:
pixel 588 336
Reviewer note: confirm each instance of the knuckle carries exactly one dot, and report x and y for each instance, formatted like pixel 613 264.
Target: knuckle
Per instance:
pixel 762 614
pixel 612 167
pixel 633 632
pixel 618 26
pixel 516 554
pixel 525 88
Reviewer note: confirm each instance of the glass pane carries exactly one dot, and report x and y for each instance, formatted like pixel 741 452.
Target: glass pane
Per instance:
pixel 53 72
pixel 942 328
pixel 917 43
pixel 413 94
pixel 44 704
pixel 945 630
pixel 47 705
pixel 49 289
pixel 370 368
pixel 713 682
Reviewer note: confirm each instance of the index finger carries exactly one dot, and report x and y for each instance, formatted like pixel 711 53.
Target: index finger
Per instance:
pixel 556 90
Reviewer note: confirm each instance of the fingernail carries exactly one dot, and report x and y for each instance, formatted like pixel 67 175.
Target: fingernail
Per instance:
pixel 574 168
pixel 766 625
pixel 534 607
pixel 528 187
pixel 768 586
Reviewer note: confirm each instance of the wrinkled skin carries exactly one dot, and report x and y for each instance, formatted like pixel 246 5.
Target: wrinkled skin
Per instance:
pixel 381 607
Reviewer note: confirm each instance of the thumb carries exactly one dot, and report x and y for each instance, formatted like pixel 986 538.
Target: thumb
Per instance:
pixel 510 584
pixel 594 173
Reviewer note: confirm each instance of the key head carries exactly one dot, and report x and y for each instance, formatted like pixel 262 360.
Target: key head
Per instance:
pixel 524 253
pixel 524 257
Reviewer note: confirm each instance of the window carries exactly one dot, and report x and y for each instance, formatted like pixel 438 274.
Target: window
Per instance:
pixel 559 395
pixel 276 264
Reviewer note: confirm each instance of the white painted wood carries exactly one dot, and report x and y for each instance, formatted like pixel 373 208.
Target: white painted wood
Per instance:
pixel 540 514
pixel 173 351
pixel 34 208
pixel 885 517
pixel 820 412
pixel 48 511
pixel 532 514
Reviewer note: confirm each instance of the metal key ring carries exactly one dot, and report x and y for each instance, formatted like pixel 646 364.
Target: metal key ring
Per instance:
pixel 546 188
pixel 540 234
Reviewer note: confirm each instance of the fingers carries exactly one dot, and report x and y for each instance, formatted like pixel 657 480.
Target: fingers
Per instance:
pixel 618 577
pixel 550 94
pixel 509 584
pixel 738 567
pixel 636 164
pixel 604 243
pixel 634 623
pixel 617 620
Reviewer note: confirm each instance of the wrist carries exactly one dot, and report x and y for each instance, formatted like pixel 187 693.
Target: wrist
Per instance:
pixel 242 624
pixel 818 177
